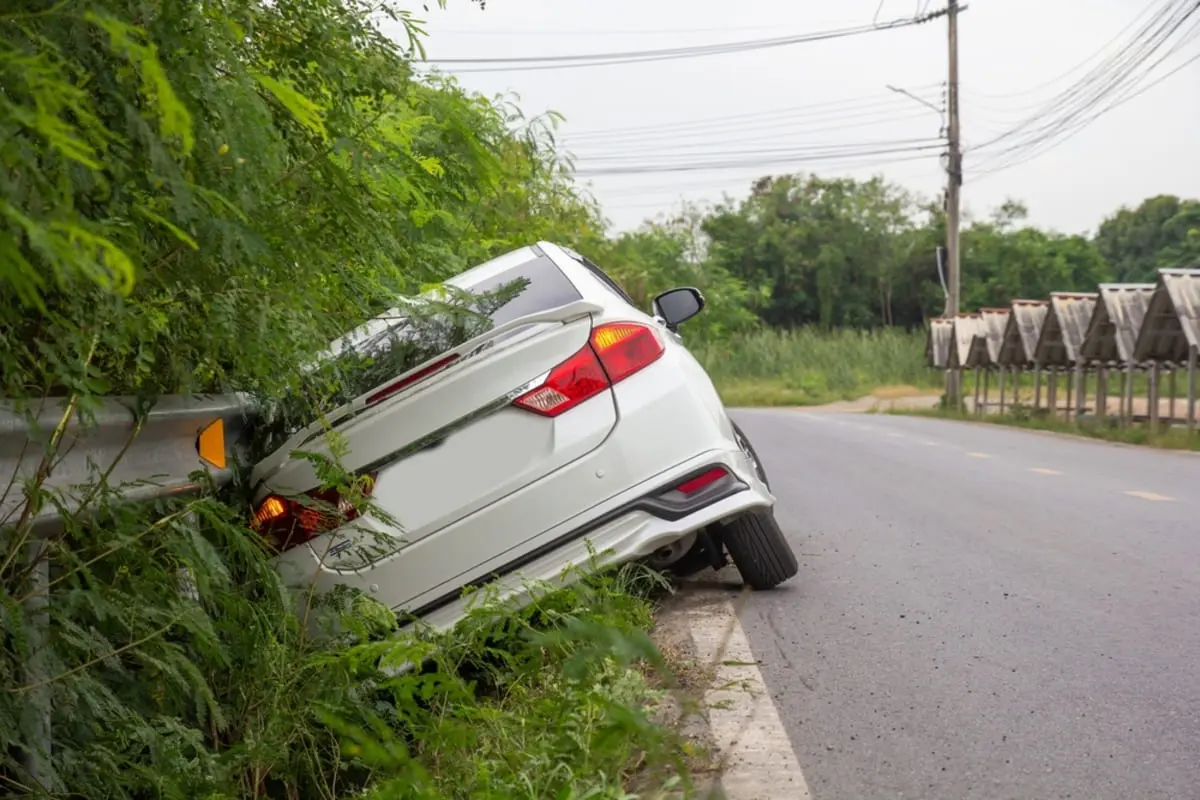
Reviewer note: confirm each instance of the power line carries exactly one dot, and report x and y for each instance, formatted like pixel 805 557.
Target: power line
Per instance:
pixel 1116 81
pixel 572 60
pixel 818 113
pixel 1118 104
pixel 598 32
pixel 713 185
pixel 683 141
pixel 668 157
pixel 1107 75
pixel 1100 51
pixel 732 163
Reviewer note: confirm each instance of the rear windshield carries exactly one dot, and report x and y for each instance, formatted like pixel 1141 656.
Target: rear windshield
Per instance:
pixel 474 307
pixel 419 330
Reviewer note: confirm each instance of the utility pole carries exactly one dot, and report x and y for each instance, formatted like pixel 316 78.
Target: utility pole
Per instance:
pixel 953 188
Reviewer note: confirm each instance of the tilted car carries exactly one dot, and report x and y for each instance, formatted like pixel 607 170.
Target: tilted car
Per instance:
pixel 574 426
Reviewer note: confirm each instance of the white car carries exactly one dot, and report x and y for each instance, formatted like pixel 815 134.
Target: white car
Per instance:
pixel 575 427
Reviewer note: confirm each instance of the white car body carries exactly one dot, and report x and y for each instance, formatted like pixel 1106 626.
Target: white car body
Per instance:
pixel 485 490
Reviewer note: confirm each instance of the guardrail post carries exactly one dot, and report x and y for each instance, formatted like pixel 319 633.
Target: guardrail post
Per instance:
pixel 36 714
pixel 1037 387
pixel 1003 374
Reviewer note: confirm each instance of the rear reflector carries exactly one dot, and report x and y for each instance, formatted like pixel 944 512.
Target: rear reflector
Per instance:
pixel 613 353
pixel 286 523
pixel 414 378
pixel 693 485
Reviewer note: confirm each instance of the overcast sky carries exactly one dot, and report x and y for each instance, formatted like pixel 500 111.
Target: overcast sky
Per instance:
pixel 778 108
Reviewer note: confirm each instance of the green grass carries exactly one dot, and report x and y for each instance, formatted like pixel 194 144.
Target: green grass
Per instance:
pixel 810 367
pixel 231 695
pixel 1173 438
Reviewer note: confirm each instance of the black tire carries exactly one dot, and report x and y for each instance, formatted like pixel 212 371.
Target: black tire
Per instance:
pixel 744 441
pixel 759 549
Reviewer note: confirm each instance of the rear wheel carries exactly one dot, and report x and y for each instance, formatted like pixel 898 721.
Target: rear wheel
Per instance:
pixel 754 541
pixel 759 550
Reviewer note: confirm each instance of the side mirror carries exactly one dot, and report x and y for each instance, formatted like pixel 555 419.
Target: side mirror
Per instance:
pixel 677 306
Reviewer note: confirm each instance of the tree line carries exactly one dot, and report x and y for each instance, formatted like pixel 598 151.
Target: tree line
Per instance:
pixel 806 250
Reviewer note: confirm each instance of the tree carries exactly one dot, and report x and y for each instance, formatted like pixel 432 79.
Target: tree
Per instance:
pixel 663 255
pixel 817 251
pixel 1162 231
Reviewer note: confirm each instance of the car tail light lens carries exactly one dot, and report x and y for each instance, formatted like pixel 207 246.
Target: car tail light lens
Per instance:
pixel 613 353
pixel 701 481
pixel 624 348
pixel 286 523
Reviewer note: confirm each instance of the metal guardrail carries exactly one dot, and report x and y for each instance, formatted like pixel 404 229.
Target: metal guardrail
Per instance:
pixel 148 455
pixel 144 454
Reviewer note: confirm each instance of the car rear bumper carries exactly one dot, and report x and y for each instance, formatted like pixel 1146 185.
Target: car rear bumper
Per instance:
pixel 634 526
pixel 628 526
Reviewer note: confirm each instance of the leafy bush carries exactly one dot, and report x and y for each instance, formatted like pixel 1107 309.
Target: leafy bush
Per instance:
pixel 200 197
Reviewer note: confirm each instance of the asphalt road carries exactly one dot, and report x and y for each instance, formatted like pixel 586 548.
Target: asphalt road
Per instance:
pixel 981 612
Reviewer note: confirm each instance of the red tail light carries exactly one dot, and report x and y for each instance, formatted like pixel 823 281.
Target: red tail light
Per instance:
pixel 286 523
pixel 613 353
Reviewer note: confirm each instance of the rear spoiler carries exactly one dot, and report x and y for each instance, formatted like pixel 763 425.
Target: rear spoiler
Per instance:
pixel 464 352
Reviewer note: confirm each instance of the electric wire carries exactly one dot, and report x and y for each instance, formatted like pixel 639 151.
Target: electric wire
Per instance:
pixel 762 134
pixel 1114 83
pixel 797 119
pixel 779 159
pixel 572 60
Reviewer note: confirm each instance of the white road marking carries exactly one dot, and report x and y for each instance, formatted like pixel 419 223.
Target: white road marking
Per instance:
pixel 1149 496
pixel 979 455
pixel 759 761
pixel 931 444
pixel 1044 471
pixel 895 435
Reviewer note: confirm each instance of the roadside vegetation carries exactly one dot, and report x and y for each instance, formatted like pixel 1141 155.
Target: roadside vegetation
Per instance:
pixel 807 366
pixel 198 198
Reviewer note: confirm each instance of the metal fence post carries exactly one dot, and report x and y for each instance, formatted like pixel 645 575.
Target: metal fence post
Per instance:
pixel 1080 389
pixel 1171 388
pixel 1152 396
pixel 1127 395
pixel 36 713
pixel 1191 413
pixel 1102 392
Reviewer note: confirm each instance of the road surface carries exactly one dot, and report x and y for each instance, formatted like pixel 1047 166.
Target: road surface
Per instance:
pixel 981 612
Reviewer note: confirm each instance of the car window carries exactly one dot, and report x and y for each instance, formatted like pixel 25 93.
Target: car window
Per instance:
pixel 603 277
pixel 527 288
pixel 546 288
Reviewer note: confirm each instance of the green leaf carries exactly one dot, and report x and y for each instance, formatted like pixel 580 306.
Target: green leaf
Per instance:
pixel 129 41
pixel 179 233
pixel 305 111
